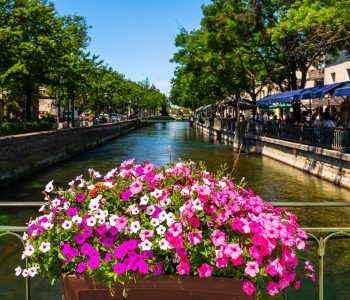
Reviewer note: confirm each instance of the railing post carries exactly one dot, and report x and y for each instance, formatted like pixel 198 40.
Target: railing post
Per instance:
pixel 321 254
pixel 27 288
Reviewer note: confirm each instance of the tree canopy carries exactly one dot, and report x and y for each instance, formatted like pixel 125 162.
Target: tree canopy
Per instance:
pixel 40 48
pixel 244 45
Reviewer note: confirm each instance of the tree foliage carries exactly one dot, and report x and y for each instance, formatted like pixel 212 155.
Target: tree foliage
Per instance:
pixel 243 46
pixel 40 48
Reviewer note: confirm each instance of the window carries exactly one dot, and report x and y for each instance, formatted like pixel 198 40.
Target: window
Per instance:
pixel 333 77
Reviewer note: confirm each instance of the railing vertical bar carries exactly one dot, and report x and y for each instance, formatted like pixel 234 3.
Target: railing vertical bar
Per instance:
pixel 321 253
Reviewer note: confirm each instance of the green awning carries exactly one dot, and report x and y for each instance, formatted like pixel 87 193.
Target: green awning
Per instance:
pixel 282 105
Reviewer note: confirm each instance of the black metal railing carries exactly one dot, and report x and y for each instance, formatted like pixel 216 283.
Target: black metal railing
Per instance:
pixel 328 138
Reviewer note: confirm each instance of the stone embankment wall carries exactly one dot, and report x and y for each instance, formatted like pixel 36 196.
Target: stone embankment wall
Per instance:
pixel 25 154
pixel 331 165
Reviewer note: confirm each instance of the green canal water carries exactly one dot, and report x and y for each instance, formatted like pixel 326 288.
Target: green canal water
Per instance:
pixel 270 179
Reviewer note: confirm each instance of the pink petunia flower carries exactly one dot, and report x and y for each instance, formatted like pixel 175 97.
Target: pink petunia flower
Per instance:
pixel 249 288
pixel 272 288
pixel 205 270
pixel 252 268
pixel 195 237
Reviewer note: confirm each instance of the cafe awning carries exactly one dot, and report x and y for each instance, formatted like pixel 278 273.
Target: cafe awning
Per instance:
pixel 279 98
pixel 323 90
pixel 308 93
pixel 344 90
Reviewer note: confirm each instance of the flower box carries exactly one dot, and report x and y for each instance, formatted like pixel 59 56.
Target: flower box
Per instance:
pixel 79 287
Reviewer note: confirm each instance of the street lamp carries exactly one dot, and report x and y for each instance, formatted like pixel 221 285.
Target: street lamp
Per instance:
pixel 61 80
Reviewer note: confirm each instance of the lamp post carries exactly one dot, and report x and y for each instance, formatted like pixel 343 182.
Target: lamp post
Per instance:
pixel 106 96
pixel 61 81
pixel 67 102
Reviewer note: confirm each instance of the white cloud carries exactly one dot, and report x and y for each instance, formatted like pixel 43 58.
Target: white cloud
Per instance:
pixel 164 85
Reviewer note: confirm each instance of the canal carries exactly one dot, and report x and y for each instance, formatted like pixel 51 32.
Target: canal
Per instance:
pixel 270 179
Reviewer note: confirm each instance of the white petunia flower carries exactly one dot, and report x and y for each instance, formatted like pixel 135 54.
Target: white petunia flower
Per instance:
pixel 82 183
pixel 135 226
pixel 44 247
pixel 94 204
pixel 49 187
pixel 170 219
pixel 25 273
pixel 47 225
pixel 154 222
pixel 146 245
pixel 90 221
pixel 32 271
pixel 104 213
pixel 161 230
pixel 56 202
pixel 164 244
pixel 71 183
pixel 185 191
pixel 135 211
pixel 100 213
pixel 94 173
pixel 29 250
pixel 144 200
pixel 18 271
pixel 150 210
pixel 76 219
pixel 162 216
pixel 166 201
pixel 25 236
pixel 113 220
pixel 102 220
pixel 66 224
pixel 157 193
pixel 66 205
pixel 197 204
pixel 42 208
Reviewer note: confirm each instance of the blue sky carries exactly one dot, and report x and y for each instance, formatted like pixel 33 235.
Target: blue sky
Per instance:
pixel 136 37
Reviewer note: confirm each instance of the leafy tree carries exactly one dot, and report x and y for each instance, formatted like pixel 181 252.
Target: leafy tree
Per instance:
pixel 245 45
pixel 38 42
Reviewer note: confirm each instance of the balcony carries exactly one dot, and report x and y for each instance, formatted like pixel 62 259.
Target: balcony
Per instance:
pixel 316 74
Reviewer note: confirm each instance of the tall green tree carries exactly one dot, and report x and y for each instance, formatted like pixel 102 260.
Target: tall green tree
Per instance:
pixel 35 42
pixel 245 45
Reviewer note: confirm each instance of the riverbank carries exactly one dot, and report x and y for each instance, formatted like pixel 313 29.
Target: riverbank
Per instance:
pixel 25 154
pixel 331 165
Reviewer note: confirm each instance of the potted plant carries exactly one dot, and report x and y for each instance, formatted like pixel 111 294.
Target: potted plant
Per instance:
pixel 179 223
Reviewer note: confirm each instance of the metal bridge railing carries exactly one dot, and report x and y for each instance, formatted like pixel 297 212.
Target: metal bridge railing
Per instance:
pixel 326 232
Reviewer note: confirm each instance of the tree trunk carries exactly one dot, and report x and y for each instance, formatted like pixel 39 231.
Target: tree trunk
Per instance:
pixel 28 104
pixel 72 108
pixel 303 79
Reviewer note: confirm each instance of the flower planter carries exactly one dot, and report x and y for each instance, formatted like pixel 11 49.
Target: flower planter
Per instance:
pixel 78 287
pixel 177 220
